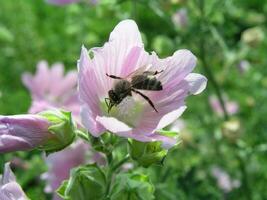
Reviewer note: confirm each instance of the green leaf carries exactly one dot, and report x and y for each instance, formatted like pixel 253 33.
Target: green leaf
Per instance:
pixel 132 187
pixel 86 182
pixel 147 153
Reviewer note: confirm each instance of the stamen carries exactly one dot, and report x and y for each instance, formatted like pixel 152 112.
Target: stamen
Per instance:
pixel 126 107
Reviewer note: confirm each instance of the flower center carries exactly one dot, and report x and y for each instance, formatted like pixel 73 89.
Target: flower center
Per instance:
pixel 128 111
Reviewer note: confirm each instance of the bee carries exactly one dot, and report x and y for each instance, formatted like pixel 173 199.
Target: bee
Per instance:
pixel 138 80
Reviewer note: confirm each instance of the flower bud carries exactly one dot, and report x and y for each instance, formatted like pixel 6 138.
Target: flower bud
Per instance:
pixel 50 131
pixel 253 36
pixel 231 129
pixel 62 129
pixel 9 188
pixel 147 153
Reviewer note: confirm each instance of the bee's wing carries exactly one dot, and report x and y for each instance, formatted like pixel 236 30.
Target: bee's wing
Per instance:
pixel 138 71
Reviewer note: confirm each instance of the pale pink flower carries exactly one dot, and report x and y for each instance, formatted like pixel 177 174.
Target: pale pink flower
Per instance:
pixel 243 66
pixel 22 132
pixel 134 117
pixel 9 188
pixel 231 107
pixel 65 2
pixel 224 181
pixel 178 125
pixel 60 164
pixel 62 2
pixel 50 131
pixel 180 18
pixel 51 89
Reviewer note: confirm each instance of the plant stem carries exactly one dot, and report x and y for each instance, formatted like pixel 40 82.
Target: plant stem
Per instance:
pixel 112 170
pixel 134 9
pixel 82 135
pixel 203 58
pixel 120 163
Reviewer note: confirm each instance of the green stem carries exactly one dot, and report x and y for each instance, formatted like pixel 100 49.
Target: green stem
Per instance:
pixel 120 163
pixel 205 63
pixel 112 170
pixel 134 9
pixel 245 181
pixel 82 135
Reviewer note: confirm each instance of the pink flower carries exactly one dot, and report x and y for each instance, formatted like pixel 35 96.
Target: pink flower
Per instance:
pixel 62 2
pixel 51 89
pixel 65 2
pixel 243 66
pixel 134 117
pixel 9 188
pixel 22 132
pixel 60 164
pixel 50 131
pixel 231 107
pixel 180 18
pixel 224 181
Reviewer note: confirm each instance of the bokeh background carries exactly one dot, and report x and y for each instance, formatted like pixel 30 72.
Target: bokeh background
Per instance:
pixel 222 154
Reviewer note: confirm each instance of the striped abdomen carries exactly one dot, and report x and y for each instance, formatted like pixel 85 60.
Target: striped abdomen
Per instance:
pixel 145 82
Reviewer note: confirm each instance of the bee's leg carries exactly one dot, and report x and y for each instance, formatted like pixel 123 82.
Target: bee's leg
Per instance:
pixel 107 101
pixel 158 72
pixel 112 76
pixel 146 98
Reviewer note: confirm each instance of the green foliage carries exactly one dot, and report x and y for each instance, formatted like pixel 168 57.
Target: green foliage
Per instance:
pixel 86 182
pixel 147 154
pixel 132 187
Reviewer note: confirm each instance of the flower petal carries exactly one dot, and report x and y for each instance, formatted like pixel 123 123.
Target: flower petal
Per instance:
pixel 180 64
pixel 112 124
pixel 170 117
pixel 89 121
pixel 8 175
pixel 197 83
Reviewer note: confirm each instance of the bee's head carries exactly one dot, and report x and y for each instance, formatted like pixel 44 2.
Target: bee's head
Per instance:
pixel 111 101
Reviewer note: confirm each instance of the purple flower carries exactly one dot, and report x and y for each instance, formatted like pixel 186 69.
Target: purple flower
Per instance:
pixel 180 18
pixel 9 188
pixel 224 181
pixel 243 66
pixel 60 164
pixel 51 89
pixel 134 117
pixel 62 2
pixel 50 131
pixel 65 2
pixel 231 107
pixel 22 132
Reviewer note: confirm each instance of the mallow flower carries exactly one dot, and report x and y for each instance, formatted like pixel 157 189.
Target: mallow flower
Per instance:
pixel 231 107
pixel 62 2
pixel 65 2
pixel 50 88
pixel 122 56
pixel 224 181
pixel 9 188
pixel 180 18
pixel 60 163
pixel 50 131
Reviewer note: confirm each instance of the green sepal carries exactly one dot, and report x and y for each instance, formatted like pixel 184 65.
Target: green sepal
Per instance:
pixel 63 129
pixel 86 182
pixel 147 153
pixel 132 187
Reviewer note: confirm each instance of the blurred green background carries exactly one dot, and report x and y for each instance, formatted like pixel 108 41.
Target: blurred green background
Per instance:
pixel 221 34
